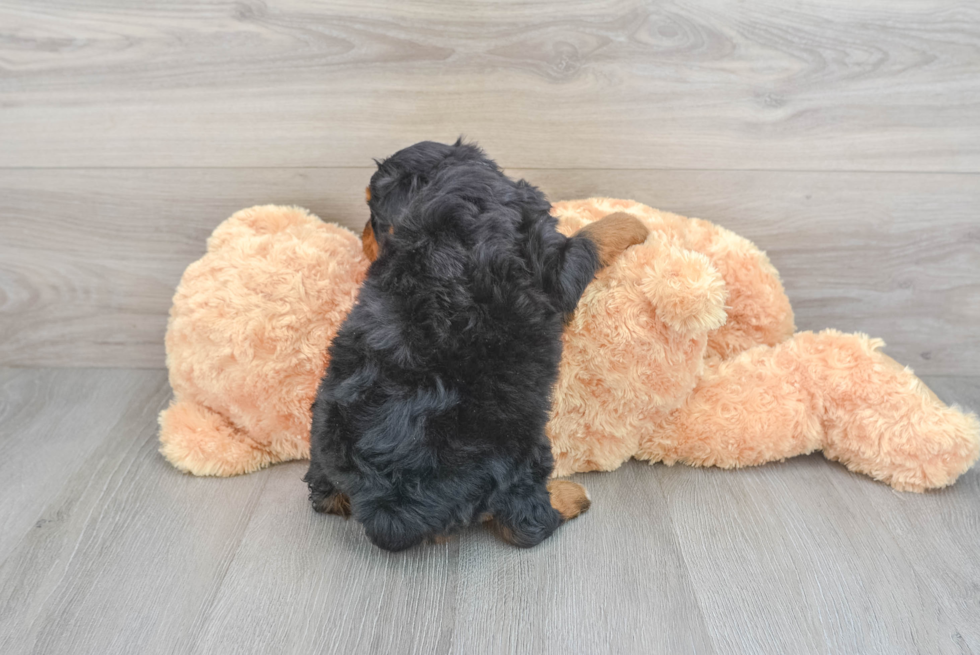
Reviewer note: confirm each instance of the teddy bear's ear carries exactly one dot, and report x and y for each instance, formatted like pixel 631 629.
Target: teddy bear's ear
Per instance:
pixel 686 289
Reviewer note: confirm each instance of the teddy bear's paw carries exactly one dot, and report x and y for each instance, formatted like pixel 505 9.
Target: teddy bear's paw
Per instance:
pixel 199 441
pixel 569 498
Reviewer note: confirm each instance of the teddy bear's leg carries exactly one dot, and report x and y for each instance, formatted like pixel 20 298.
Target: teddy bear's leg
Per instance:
pixel 202 442
pixel 830 391
pixel 881 420
pixel 753 408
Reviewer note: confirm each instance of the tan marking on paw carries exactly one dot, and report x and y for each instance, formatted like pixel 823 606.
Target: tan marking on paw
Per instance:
pixel 569 498
pixel 501 531
pixel 337 503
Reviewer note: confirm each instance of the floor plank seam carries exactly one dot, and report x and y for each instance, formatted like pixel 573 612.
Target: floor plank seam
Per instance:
pixel 206 611
pixel 702 610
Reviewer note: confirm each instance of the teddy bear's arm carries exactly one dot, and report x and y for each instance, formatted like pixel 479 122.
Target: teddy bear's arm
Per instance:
pixel 685 288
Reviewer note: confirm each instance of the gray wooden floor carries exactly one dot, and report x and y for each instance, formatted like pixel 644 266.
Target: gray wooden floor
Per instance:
pixel 842 137
pixel 107 549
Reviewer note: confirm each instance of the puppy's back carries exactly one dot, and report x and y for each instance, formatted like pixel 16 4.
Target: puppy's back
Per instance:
pixel 440 380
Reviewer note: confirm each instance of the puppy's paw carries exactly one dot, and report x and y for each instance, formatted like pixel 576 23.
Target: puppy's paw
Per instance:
pixel 569 498
pixel 335 503
pixel 615 233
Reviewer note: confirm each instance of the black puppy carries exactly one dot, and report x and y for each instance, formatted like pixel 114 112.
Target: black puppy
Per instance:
pixel 432 412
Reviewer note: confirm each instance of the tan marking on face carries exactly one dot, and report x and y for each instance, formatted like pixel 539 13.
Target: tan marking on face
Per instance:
pixel 368 243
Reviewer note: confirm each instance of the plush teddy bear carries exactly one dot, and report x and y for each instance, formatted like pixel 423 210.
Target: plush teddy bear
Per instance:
pixel 683 350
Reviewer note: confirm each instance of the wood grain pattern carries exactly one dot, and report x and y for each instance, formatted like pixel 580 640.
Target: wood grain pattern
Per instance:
pixel 128 552
pixel 842 137
pixel 48 430
pixel 800 556
pixel 89 259
pixel 614 581
pixel 801 84
pixel 937 524
pixel 812 539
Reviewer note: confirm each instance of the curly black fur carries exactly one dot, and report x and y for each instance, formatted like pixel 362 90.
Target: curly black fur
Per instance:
pixel 433 408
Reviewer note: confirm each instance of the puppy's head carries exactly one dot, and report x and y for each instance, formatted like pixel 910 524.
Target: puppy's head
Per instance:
pixel 401 178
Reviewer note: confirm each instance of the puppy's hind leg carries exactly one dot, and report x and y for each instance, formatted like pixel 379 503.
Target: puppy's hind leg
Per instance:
pixel 396 530
pixel 526 518
pixel 335 503
pixel 324 496
pixel 569 498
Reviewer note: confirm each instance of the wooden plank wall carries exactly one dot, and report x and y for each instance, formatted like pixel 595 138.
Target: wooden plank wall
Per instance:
pixel 842 137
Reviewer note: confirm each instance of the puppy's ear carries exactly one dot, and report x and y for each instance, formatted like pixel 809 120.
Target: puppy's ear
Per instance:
pixel 369 243
pixel 614 233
